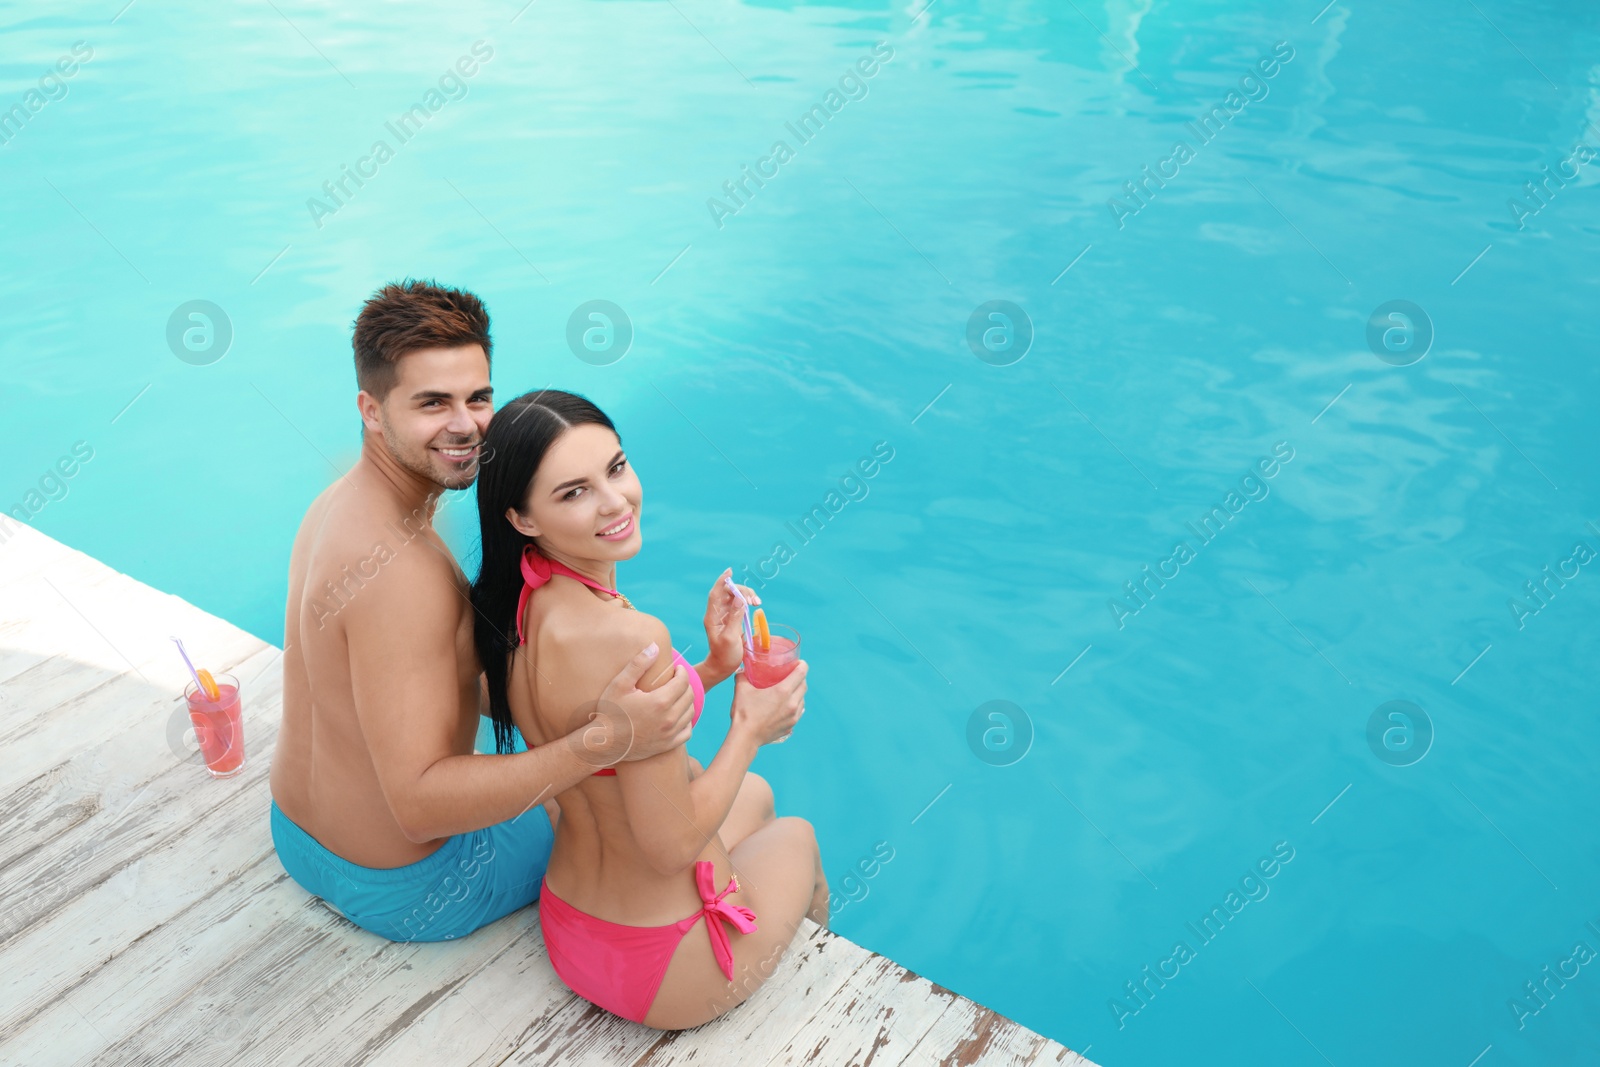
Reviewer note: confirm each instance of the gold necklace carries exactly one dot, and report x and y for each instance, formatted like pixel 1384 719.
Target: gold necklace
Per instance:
pixel 591 583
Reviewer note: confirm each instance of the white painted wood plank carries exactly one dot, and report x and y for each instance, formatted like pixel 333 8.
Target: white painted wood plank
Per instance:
pixel 113 619
pixel 65 980
pixel 495 1009
pixel 25 552
pixel 254 972
pixel 122 629
pixel 76 934
pixel 17 654
pixel 83 584
pixel 123 730
pixel 580 1034
pixel 968 1033
pixel 104 807
pixel 353 992
pixel 1053 1053
pixel 878 1016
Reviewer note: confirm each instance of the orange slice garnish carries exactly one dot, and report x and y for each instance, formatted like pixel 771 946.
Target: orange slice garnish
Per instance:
pixel 763 635
pixel 209 684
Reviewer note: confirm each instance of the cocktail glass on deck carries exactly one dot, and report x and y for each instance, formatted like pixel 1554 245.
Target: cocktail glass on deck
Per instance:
pixel 218 725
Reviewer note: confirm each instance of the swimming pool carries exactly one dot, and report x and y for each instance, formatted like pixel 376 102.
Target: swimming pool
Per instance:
pixel 1047 745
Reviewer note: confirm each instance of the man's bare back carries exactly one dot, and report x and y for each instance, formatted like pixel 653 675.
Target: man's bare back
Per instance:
pixel 354 538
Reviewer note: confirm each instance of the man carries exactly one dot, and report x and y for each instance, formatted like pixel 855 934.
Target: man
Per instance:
pixel 379 804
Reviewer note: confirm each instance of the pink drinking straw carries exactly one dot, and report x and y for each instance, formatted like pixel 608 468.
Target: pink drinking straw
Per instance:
pixel 199 686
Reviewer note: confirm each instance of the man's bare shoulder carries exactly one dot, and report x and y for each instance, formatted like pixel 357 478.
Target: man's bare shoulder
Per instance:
pixel 371 558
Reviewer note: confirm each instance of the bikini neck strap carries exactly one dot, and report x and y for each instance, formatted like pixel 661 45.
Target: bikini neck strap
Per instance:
pixel 537 569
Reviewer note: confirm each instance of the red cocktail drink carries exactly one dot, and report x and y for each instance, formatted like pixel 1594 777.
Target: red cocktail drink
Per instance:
pixel 218 726
pixel 768 668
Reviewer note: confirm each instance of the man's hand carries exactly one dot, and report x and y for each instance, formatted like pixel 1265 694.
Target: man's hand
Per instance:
pixel 633 724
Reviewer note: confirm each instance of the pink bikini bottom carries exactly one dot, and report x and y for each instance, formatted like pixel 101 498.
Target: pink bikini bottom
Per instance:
pixel 620 967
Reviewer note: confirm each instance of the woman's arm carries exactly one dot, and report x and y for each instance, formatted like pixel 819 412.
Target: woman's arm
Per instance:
pixel 670 824
pixel 709 675
pixel 672 817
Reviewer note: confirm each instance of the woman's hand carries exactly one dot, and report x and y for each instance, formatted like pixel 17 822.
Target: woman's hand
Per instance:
pixel 769 714
pixel 725 627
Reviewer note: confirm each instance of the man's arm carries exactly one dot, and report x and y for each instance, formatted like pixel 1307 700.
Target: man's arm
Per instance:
pixel 401 633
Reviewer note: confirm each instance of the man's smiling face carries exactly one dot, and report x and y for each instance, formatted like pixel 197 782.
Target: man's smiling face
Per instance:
pixel 434 418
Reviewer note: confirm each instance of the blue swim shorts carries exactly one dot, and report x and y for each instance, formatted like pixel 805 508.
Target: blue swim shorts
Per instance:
pixel 470 881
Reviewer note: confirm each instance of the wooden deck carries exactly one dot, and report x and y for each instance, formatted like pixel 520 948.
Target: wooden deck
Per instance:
pixel 147 920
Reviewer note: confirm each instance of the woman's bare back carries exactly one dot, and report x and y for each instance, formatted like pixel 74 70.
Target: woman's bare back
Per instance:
pixel 596 865
pixel 599 868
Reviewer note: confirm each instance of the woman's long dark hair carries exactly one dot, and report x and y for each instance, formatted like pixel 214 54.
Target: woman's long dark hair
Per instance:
pixel 519 436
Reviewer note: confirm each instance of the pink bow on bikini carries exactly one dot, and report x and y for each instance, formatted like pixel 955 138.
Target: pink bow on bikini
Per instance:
pixel 536 571
pixel 717 908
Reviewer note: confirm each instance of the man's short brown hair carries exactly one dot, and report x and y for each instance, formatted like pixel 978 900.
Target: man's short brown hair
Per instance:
pixel 409 316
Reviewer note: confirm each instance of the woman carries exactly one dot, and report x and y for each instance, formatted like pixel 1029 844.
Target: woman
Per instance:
pixel 649 850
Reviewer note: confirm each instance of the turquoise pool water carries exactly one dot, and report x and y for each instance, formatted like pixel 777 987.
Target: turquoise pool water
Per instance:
pixel 1229 726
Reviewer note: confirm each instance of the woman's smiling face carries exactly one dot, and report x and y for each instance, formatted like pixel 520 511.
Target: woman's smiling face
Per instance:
pixel 585 498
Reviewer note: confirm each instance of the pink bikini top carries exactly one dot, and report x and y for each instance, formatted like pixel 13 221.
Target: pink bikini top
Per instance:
pixel 537 570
